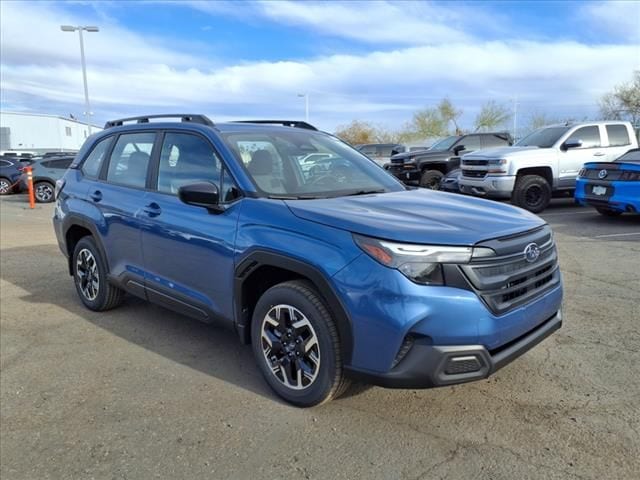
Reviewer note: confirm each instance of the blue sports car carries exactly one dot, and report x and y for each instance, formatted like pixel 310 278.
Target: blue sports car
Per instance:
pixel 612 188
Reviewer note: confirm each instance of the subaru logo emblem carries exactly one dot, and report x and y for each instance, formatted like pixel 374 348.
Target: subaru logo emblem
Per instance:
pixel 602 174
pixel 531 252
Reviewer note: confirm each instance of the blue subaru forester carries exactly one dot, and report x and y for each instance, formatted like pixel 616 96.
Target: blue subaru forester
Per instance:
pixel 331 271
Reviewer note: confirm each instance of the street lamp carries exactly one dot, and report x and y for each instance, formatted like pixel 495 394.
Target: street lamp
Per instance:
pixel 306 105
pixel 80 29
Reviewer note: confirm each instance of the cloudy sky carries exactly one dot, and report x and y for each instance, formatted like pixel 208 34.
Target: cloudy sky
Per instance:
pixel 373 61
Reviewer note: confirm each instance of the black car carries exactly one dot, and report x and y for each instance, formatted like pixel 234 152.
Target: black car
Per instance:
pixel 426 168
pixel 10 174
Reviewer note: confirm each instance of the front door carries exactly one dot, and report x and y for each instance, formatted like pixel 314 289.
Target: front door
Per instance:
pixel 189 251
pixel 572 160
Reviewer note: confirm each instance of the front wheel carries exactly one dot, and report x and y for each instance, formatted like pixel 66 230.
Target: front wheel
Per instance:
pixel 44 192
pixel 296 345
pixel 607 212
pixel 532 192
pixel 5 186
pixel 431 179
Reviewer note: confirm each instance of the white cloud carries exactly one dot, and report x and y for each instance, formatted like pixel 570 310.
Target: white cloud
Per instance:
pixel 620 20
pixel 132 74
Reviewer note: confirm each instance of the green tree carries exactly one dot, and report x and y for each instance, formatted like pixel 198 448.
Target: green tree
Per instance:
pixel 450 114
pixel 426 123
pixel 623 103
pixel 491 116
pixel 359 131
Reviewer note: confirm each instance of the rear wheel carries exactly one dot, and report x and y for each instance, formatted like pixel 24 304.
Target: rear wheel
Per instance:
pixel 431 179
pixel 5 186
pixel 90 275
pixel 44 192
pixel 531 192
pixel 607 212
pixel 296 345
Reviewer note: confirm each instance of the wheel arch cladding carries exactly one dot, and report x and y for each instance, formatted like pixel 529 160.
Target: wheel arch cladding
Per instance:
pixel 544 172
pixel 76 229
pixel 262 270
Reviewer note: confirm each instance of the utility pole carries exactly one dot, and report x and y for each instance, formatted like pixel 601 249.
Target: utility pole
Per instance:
pixel 306 105
pixel 515 118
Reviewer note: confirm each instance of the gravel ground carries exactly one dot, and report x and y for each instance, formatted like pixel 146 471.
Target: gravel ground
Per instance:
pixel 140 392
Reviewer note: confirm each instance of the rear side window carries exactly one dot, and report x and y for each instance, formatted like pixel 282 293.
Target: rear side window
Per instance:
pixel 130 159
pixel 492 141
pixel 186 159
pixel 618 135
pixel 4 163
pixel 589 136
pixel 92 164
pixel 63 163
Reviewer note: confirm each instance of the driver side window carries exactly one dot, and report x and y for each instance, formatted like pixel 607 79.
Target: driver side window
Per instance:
pixel 589 136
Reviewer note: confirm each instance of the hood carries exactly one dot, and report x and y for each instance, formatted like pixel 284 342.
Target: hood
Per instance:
pixel 418 216
pixel 501 152
pixel 403 157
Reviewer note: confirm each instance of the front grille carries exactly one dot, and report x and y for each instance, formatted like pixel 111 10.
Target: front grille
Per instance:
pixel 475 162
pixel 509 280
pixel 474 173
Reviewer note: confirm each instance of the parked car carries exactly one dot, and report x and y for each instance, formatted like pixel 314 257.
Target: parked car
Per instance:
pixel 62 153
pixel 544 163
pixel 10 175
pixel 427 167
pixel 612 188
pixel 345 275
pixel 46 172
pixel 380 152
pixel 450 182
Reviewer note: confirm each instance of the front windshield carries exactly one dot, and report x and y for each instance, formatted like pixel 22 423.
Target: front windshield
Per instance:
pixel 444 144
pixel 304 164
pixel 543 138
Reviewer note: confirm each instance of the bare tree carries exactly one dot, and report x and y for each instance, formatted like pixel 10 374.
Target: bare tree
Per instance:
pixel 624 102
pixel 359 132
pixel 491 116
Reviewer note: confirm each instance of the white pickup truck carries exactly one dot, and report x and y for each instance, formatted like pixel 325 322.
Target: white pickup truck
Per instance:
pixel 544 162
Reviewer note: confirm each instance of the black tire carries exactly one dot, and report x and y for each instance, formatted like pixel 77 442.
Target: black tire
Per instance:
pixel 106 295
pixel 608 212
pixel 329 381
pixel 44 192
pixel 431 179
pixel 5 186
pixel 532 192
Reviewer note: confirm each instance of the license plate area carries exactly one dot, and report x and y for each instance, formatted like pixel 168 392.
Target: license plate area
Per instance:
pixel 600 190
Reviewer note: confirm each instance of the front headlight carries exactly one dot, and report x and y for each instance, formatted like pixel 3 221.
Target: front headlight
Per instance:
pixel 419 263
pixel 497 165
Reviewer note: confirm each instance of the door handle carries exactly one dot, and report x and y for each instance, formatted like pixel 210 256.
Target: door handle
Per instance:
pixel 96 196
pixel 153 209
pixel 598 154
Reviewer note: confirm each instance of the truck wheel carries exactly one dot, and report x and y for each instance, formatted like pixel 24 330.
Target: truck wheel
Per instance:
pixel 608 212
pixel 296 345
pixel 431 179
pixel 532 192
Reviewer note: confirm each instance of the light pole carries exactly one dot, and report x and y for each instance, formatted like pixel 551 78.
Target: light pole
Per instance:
pixel 80 29
pixel 306 105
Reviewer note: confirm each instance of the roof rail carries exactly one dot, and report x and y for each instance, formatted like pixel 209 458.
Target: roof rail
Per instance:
pixel 184 117
pixel 285 123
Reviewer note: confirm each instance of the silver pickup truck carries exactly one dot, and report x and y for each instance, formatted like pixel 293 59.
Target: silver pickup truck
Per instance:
pixel 543 163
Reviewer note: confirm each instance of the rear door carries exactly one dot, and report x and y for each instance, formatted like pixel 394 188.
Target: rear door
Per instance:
pixel 119 194
pixel 189 251
pixel 619 141
pixel 571 161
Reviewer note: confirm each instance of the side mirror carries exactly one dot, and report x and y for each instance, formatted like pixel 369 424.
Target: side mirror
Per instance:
pixel 201 194
pixel 457 149
pixel 577 143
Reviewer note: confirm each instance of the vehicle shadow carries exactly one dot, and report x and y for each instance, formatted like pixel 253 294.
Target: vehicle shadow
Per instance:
pixel 210 349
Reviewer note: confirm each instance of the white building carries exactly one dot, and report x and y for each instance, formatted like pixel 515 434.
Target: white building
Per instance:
pixel 36 132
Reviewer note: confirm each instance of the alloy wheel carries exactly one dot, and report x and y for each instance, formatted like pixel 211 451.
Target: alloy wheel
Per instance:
pixel 44 192
pixel 4 186
pixel 87 274
pixel 290 346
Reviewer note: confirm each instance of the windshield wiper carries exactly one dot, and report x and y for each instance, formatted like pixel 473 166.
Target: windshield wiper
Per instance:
pixel 364 192
pixel 293 197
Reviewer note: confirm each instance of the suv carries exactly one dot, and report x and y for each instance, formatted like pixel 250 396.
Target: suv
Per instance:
pixel 46 172
pixel 10 175
pixel 380 152
pixel 345 274
pixel 428 166
pixel 544 163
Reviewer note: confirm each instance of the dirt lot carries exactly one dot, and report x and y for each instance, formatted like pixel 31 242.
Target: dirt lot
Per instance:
pixel 143 393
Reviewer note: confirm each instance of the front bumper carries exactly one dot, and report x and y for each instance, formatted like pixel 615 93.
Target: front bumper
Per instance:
pixel 410 176
pixel 489 186
pixel 426 366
